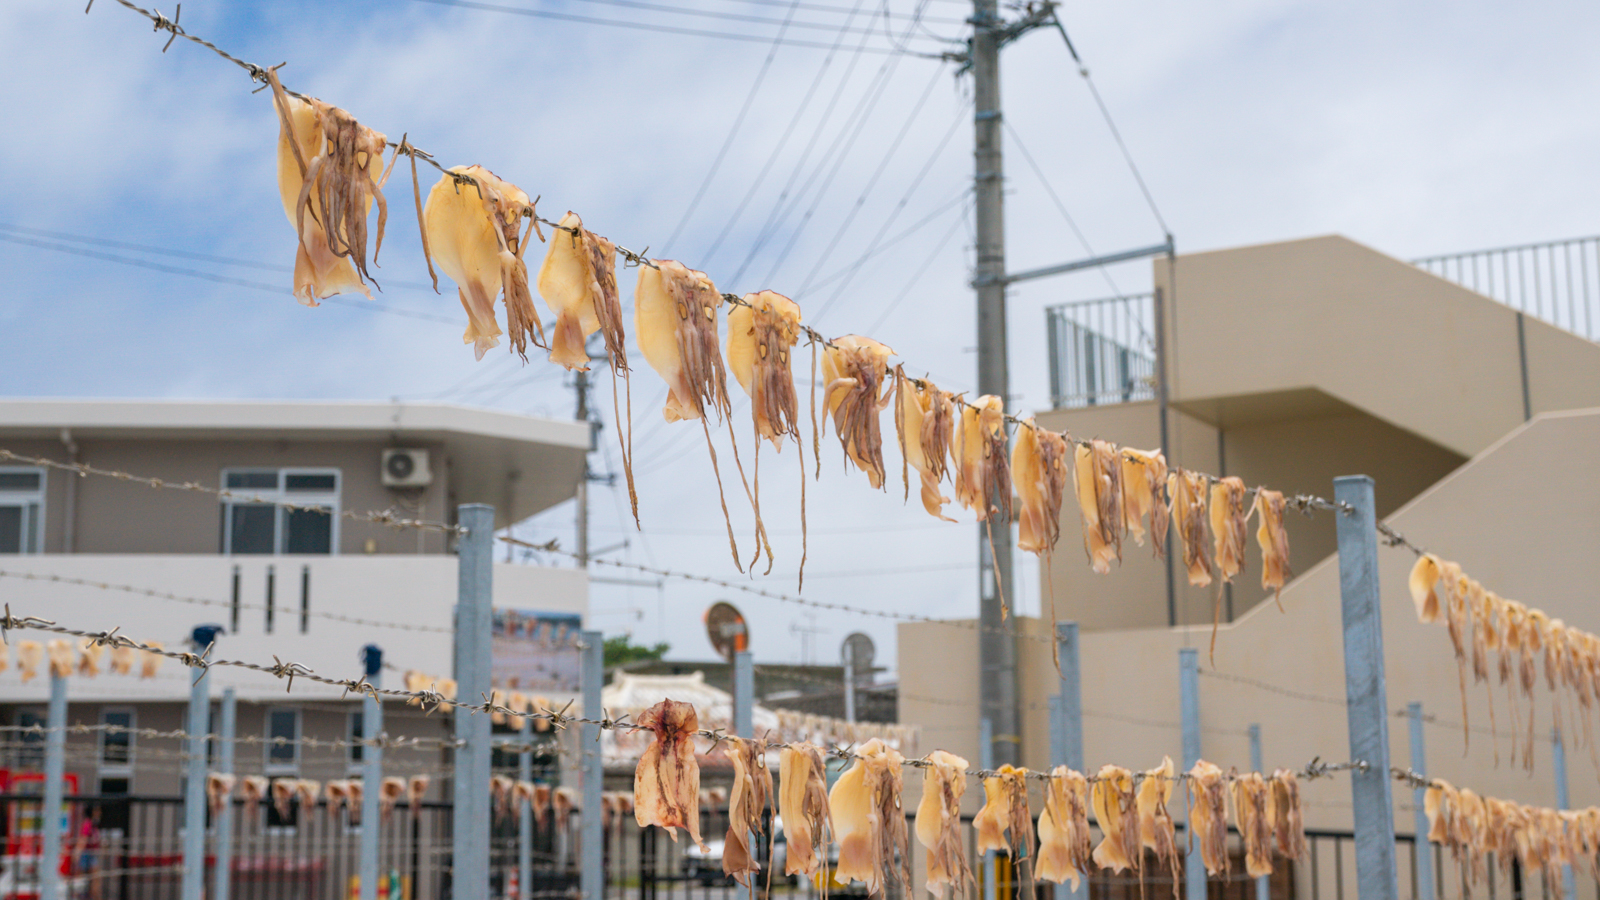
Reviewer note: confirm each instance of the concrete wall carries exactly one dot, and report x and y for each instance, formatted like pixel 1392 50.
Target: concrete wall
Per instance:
pixel 1521 517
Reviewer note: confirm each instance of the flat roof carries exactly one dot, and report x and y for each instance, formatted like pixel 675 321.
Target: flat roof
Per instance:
pixel 493 449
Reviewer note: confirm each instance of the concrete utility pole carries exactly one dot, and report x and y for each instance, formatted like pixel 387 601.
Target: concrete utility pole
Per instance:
pixel 581 383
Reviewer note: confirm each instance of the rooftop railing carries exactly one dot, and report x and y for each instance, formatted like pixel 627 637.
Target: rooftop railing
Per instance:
pixel 1101 351
pixel 1556 281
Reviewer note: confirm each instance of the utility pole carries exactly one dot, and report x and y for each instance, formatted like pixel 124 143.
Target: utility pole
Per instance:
pixel 581 383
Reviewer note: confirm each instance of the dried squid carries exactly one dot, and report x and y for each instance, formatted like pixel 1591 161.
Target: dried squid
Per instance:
pixel 666 785
pixel 1039 470
pixel 122 659
pixel 1228 525
pixel 1424 587
pixel 152 660
pixel 762 333
pixel 925 418
pixel 1252 813
pixel 868 821
pixel 416 789
pixel 1115 808
pixel 983 472
pixel 471 227
pixel 1187 491
pixel 29 655
pixel 675 323
pixel 219 790
pixel 62 659
pixel 939 822
pixel 853 373
pixel 1005 811
pixel 89 654
pixel 803 806
pixel 329 167
pixel 1064 853
pixel 283 796
pixel 1144 479
pixel 306 791
pixel 579 282
pixel 1208 815
pixel 353 789
pixel 390 790
pixel 1097 476
pixel 1288 822
pixel 1274 541
pixel 752 785
pixel 1156 829
pixel 252 788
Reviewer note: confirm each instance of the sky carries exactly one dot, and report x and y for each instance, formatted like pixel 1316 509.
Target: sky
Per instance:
pixel 149 254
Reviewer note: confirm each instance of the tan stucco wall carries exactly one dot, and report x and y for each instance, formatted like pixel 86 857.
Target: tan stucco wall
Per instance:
pixel 1521 528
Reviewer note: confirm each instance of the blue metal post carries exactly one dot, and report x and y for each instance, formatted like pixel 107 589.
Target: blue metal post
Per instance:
pixel 1263 883
pixel 469 842
pixel 991 885
pixel 592 872
pixel 222 878
pixel 371 775
pixel 525 818
pixel 194 788
pixel 55 753
pixel 1365 688
pixel 1558 752
pixel 1419 765
pixel 1066 726
pixel 1194 867
pixel 744 691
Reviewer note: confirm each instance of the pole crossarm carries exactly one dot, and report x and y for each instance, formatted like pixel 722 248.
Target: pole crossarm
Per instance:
pixel 1105 259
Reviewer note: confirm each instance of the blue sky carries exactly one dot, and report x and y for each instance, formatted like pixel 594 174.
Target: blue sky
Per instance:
pixel 1416 128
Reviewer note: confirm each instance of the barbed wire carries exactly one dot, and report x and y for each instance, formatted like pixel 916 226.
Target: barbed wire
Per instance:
pixel 382 740
pixel 386 517
pixel 1434 721
pixel 1273 688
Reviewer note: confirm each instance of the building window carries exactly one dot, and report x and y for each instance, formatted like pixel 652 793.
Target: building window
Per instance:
pixel 116 741
pixel 283 742
pixel 264 527
pixel 30 750
pixel 357 728
pixel 21 510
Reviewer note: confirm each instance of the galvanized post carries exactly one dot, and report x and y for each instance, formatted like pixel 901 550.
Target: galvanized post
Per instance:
pixel 194 788
pixel 1419 765
pixel 991 874
pixel 592 873
pixel 55 754
pixel 744 695
pixel 849 683
pixel 1194 867
pixel 371 774
pixel 469 842
pixel 525 818
pixel 1558 753
pixel 1263 883
pixel 1365 688
pixel 1066 726
pixel 222 878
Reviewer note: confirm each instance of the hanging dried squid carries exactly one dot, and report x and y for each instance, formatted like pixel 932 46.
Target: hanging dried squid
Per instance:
pixel 252 788
pixel 30 654
pixel 122 659
pixel 983 471
pixel 1064 851
pixel 1187 491
pixel 925 420
pixel 853 376
pixel 283 791
pixel 666 784
pixel 1039 471
pixel 470 226
pixel 1097 476
pixel 219 790
pixel 151 661
pixel 1229 516
pixel 1208 815
pixel 579 281
pixel 1252 814
pixel 1004 824
pixel 752 785
pixel 938 824
pixel 762 333
pixel 329 170
pixel 868 822
pixel 89 654
pixel 390 790
pixel 62 658
pixel 1274 541
pixel 1288 822
pixel 1116 809
pixel 1157 832
pixel 1144 480
pixel 803 806
pixel 416 789
pixel 675 323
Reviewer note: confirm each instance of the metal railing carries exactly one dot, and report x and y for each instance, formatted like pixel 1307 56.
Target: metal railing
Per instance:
pixel 1556 281
pixel 1101 351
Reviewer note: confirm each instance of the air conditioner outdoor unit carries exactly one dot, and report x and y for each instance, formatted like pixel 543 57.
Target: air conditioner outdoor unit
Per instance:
pixel 406 468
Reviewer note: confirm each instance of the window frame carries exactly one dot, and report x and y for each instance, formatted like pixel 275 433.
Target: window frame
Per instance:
pixel 279 495
pixel 35 501
pixel 269 767
pixel 116 769
pixel 354 754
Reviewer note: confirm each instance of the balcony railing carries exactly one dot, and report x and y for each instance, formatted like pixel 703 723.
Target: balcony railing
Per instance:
pixel 1101 351
pixel 1557 281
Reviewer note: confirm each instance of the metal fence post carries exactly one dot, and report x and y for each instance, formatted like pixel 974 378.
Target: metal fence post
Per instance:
pixel 525 818
pixel 592 872
pixel 469 841
pixel 371 774
pixel 194 788
pixel 1558 753
pixel 1419 765
pixel 1264 882
pixel 991 860
pixel 1194 866
pixel 55 753
pixel 744 691
pixel 222 878
pixel 1066 726
pixel 1365 688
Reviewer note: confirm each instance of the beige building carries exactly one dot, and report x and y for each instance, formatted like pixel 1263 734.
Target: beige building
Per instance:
pixel 1288 365
pixel 273 578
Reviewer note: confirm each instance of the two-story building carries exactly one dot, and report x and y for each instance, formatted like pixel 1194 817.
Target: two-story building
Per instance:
pixel 309 585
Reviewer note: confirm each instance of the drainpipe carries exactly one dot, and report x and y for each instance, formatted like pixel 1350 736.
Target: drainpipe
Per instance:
pixel 69 517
